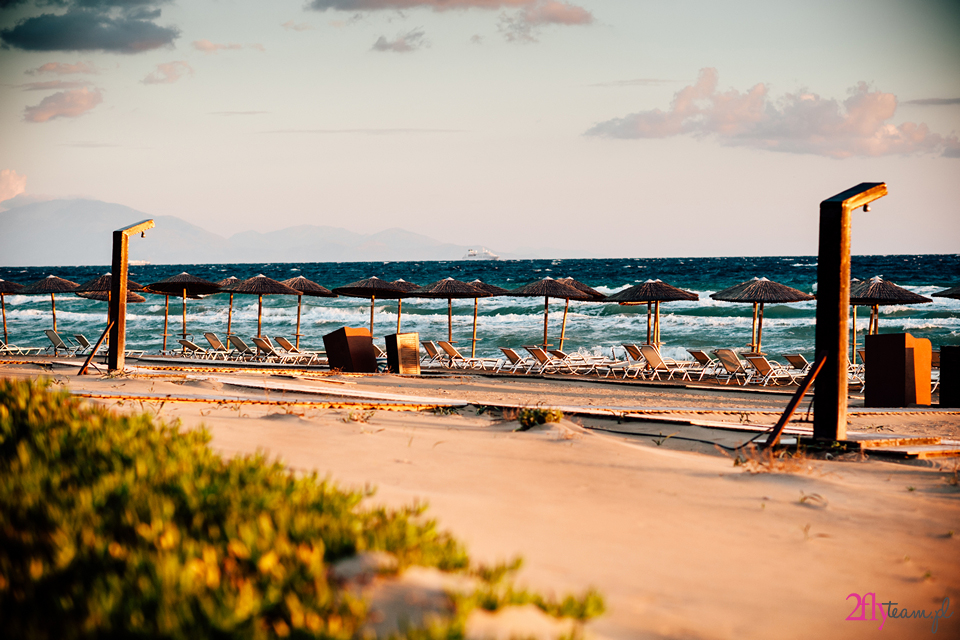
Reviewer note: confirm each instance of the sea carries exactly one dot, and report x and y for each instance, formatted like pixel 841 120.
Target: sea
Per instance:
pixel 504 321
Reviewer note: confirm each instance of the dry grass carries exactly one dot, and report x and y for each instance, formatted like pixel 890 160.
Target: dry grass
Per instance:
pixel 754 460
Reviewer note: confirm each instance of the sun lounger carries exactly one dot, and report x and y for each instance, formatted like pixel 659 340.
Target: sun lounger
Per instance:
pixel 657 364
pixel 799 366
pixel 458 360
pixel 57 343
pixel 82 341
pixel 189 348
pixel 268 352
pixel 516 361
pixel 289 347
pixel 708 366
pixel 768 371
pixel 14 350
pixel 244 351
pixel 545 362
pixel 434 354
pixel 219 349
pixel 732 366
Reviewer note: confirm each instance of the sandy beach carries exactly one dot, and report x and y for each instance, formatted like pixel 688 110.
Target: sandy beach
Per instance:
pixel 680 541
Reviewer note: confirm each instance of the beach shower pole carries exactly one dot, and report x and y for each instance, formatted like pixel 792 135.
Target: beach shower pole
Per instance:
pixel 118 293
pixel 833 306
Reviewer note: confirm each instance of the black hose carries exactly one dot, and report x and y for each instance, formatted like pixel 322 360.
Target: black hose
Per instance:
pixel 660 435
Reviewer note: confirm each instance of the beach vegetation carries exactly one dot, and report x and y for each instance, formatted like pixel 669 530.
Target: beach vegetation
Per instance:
pixel 118 525
pixel 530 417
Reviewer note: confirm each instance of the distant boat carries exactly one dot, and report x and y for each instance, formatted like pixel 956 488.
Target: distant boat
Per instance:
pixel 482 254
pixel 138 263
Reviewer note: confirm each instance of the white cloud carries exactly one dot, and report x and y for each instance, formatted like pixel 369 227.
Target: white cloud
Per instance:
pixel 12 184
pixel 168 72
pixel 65 104
pixel 801 122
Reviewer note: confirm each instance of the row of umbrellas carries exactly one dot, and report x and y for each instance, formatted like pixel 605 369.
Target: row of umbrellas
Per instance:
pixel 759 291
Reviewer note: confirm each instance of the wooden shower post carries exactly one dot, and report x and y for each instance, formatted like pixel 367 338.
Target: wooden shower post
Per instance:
pixel 118 293
pixel 833 307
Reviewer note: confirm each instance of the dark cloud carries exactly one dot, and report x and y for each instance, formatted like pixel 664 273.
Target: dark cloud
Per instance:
pixel 933 102
pixel 404 42
pixel 91 25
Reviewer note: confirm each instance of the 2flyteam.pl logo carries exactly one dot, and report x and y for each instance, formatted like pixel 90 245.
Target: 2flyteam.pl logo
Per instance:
pixel 889 610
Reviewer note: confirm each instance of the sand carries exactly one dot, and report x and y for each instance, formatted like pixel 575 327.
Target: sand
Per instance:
pixel 682 543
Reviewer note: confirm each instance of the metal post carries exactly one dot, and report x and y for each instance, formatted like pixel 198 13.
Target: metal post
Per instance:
pixel 833 307
pixel 118 294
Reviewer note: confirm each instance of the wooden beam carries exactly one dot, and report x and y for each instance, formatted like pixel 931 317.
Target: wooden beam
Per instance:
pixel 118 293
pixel 833 306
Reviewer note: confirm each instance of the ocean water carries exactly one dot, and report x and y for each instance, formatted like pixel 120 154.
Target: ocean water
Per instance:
pixel 504 321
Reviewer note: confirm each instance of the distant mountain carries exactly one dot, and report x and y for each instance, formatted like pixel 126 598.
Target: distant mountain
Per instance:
pixel 79 232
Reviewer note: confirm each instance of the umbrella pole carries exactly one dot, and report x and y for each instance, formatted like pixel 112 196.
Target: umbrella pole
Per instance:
pixel 546 313
pixel 53 304
pixel 853 348
pixel 184 323
pixel 563 325
pixel 372 298
pixel 3 305
pixel 876 319
pixel 753 329
pixel 450 319
pixel 473 348
pixel 299 302
pixel 229 317
pixel 259 314
pixel 649 335
pixel 399 312
pixel 760 328
pixel 656 323
pixel 166 317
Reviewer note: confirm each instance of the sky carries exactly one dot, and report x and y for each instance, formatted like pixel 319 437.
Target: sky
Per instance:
pixel 607 128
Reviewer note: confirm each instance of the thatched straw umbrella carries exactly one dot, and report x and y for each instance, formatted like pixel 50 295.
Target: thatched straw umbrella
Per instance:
pixel 186 286
pixel 494 291
pixel 449 288
pixel 260 285
pixel 760 291
pixel 51 285
pixel 372 288
pixel 7 287
pixel 953 292
pixel 99 289
pixel 410 288
pixel 225 285
pixel 877 291
pixel 652 292
pixel 595 296
pixel 306 288
pixel 549 288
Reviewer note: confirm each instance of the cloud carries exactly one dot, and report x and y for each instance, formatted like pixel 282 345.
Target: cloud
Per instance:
pixel 12 184
pixel 375 132
pixel 65 104
pixel 212 47
pixel 168 73
pixel 127 30
pixel 520 26
pixel 404 43
pixel 51 85
pixel 62 68
pixel 801 122
pixel 290 25
pixel 934 102
pixel 637 82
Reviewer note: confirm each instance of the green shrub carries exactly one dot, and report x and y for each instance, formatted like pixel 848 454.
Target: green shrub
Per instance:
pixel 529 417
pixel 113 526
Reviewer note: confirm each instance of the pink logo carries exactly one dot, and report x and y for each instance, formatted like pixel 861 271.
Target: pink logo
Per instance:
pixel 862 607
